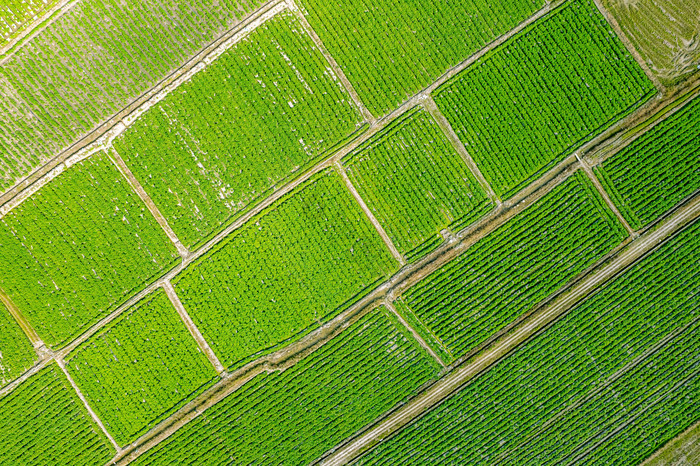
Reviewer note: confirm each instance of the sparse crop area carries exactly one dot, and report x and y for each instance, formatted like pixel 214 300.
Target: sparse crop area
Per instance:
pixel 415 183
pixel 299 262
pixel 508 272
pixel 531 102
pixel 80 246
pixel 658 170
pixel 299 232
pixel 43 422
pixel 294 416
pixel 140 368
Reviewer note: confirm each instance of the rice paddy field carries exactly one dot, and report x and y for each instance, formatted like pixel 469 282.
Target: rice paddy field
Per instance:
pixel 363 232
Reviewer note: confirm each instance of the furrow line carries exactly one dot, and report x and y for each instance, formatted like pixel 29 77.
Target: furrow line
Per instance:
pixel 389 305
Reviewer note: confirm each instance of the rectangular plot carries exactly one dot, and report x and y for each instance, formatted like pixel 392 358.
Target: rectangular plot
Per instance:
pixel 140 368
pixel 533 100
pixel 390 50
pixel 16 351
pixel 92 61
pixel 510 404
pixel 286 270
pixel 415 183
pixel 657 170
pixel 292 417
pixel 80 246
pixel 511 270
pixel 44 422
pixel 258 116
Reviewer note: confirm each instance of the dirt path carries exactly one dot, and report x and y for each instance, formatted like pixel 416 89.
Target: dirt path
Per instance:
pixel 121 165
pixel 389 305
pixel 194 331
pixel 522 333
pixel 21 320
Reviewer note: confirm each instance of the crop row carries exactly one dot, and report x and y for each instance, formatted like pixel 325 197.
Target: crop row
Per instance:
pixel 16 352
pixel 80 246
pixel 657 170
pixel 15 15
pixel 390 50
pixel 294 416
pixel 261 114
pixel 90 62
pixel 533 100
pixel 287 269
pixel 140 368
pixel 44 422
pixel 564 367
pixel 415 183
pixel 507 273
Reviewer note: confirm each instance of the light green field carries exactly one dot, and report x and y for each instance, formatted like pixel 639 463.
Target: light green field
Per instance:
pixel 140 368
pixel 80 246
pixel 16 352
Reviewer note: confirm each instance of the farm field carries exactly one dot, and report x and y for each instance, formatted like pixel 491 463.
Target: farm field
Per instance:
pixel 91 62
pixel 139 368
pixel 43 422
pixel 524 107
pixel 665 33
pixel 16 352
pixel 15 15
pixel 393 233
pixel 300 261
pixel 511 270
pixel 658 170
pixel 80 246
pixel 415 183
pixel 292 417
pixel 566 371
pixel 259 115
pixel 401 48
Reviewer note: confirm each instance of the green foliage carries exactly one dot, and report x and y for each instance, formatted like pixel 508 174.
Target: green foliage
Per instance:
pixel 298 262
pixel 16 15
pixel 292 417
pixel 511 270
pixel 91 62
pixel 80 246
pixel 570 370
pixel 44 422
pixel 390 50
pixel 530 102
pixel 261 114
pixel 657 170
pixel 415 183
pixel 16 351
pixel 140 368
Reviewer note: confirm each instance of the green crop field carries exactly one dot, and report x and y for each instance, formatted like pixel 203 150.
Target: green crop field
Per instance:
pixel 294 416
pixel 90 62
pixel 289 268
pixel 301 232
pixel 566 371
pixel 532 101
pixel 15 15
pixel 658 170
pixel 512 269
pixel 400 48
pixel 259 115
pixel 139 368
pixel 43 422
pixel 80 246
pixel 415 183
pixel 16 352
